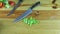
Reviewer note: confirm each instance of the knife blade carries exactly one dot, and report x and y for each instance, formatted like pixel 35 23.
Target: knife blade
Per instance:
pixel 15 7
pixel 28 12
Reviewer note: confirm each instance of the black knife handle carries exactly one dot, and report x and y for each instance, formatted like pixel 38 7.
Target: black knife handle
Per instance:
pixel 35 4
pixel 21 0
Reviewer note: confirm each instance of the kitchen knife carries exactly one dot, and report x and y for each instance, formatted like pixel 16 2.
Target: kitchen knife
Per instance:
pixel 29 11
pixel 15 7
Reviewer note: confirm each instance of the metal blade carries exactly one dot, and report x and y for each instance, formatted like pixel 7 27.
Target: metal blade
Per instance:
pixel 29 11
pixel 15 7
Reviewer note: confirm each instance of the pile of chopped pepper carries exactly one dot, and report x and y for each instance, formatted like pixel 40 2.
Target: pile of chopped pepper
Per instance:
pixel 30 21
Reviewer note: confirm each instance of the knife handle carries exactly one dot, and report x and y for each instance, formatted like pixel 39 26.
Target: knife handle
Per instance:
pixel 21 0
pixel 35 4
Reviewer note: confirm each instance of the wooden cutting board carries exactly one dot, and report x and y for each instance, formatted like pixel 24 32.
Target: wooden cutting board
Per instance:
pixel 49 23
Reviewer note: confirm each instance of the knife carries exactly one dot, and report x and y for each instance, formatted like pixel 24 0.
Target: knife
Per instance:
pixel 29 11
pixel 15 7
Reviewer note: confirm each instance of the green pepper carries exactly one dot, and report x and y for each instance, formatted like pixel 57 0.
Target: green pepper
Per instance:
pixel 6 2
pixel 30 21
pixel 25 20
pixel 1 0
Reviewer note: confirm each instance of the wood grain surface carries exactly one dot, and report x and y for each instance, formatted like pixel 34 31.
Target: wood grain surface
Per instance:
pixel 43 14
